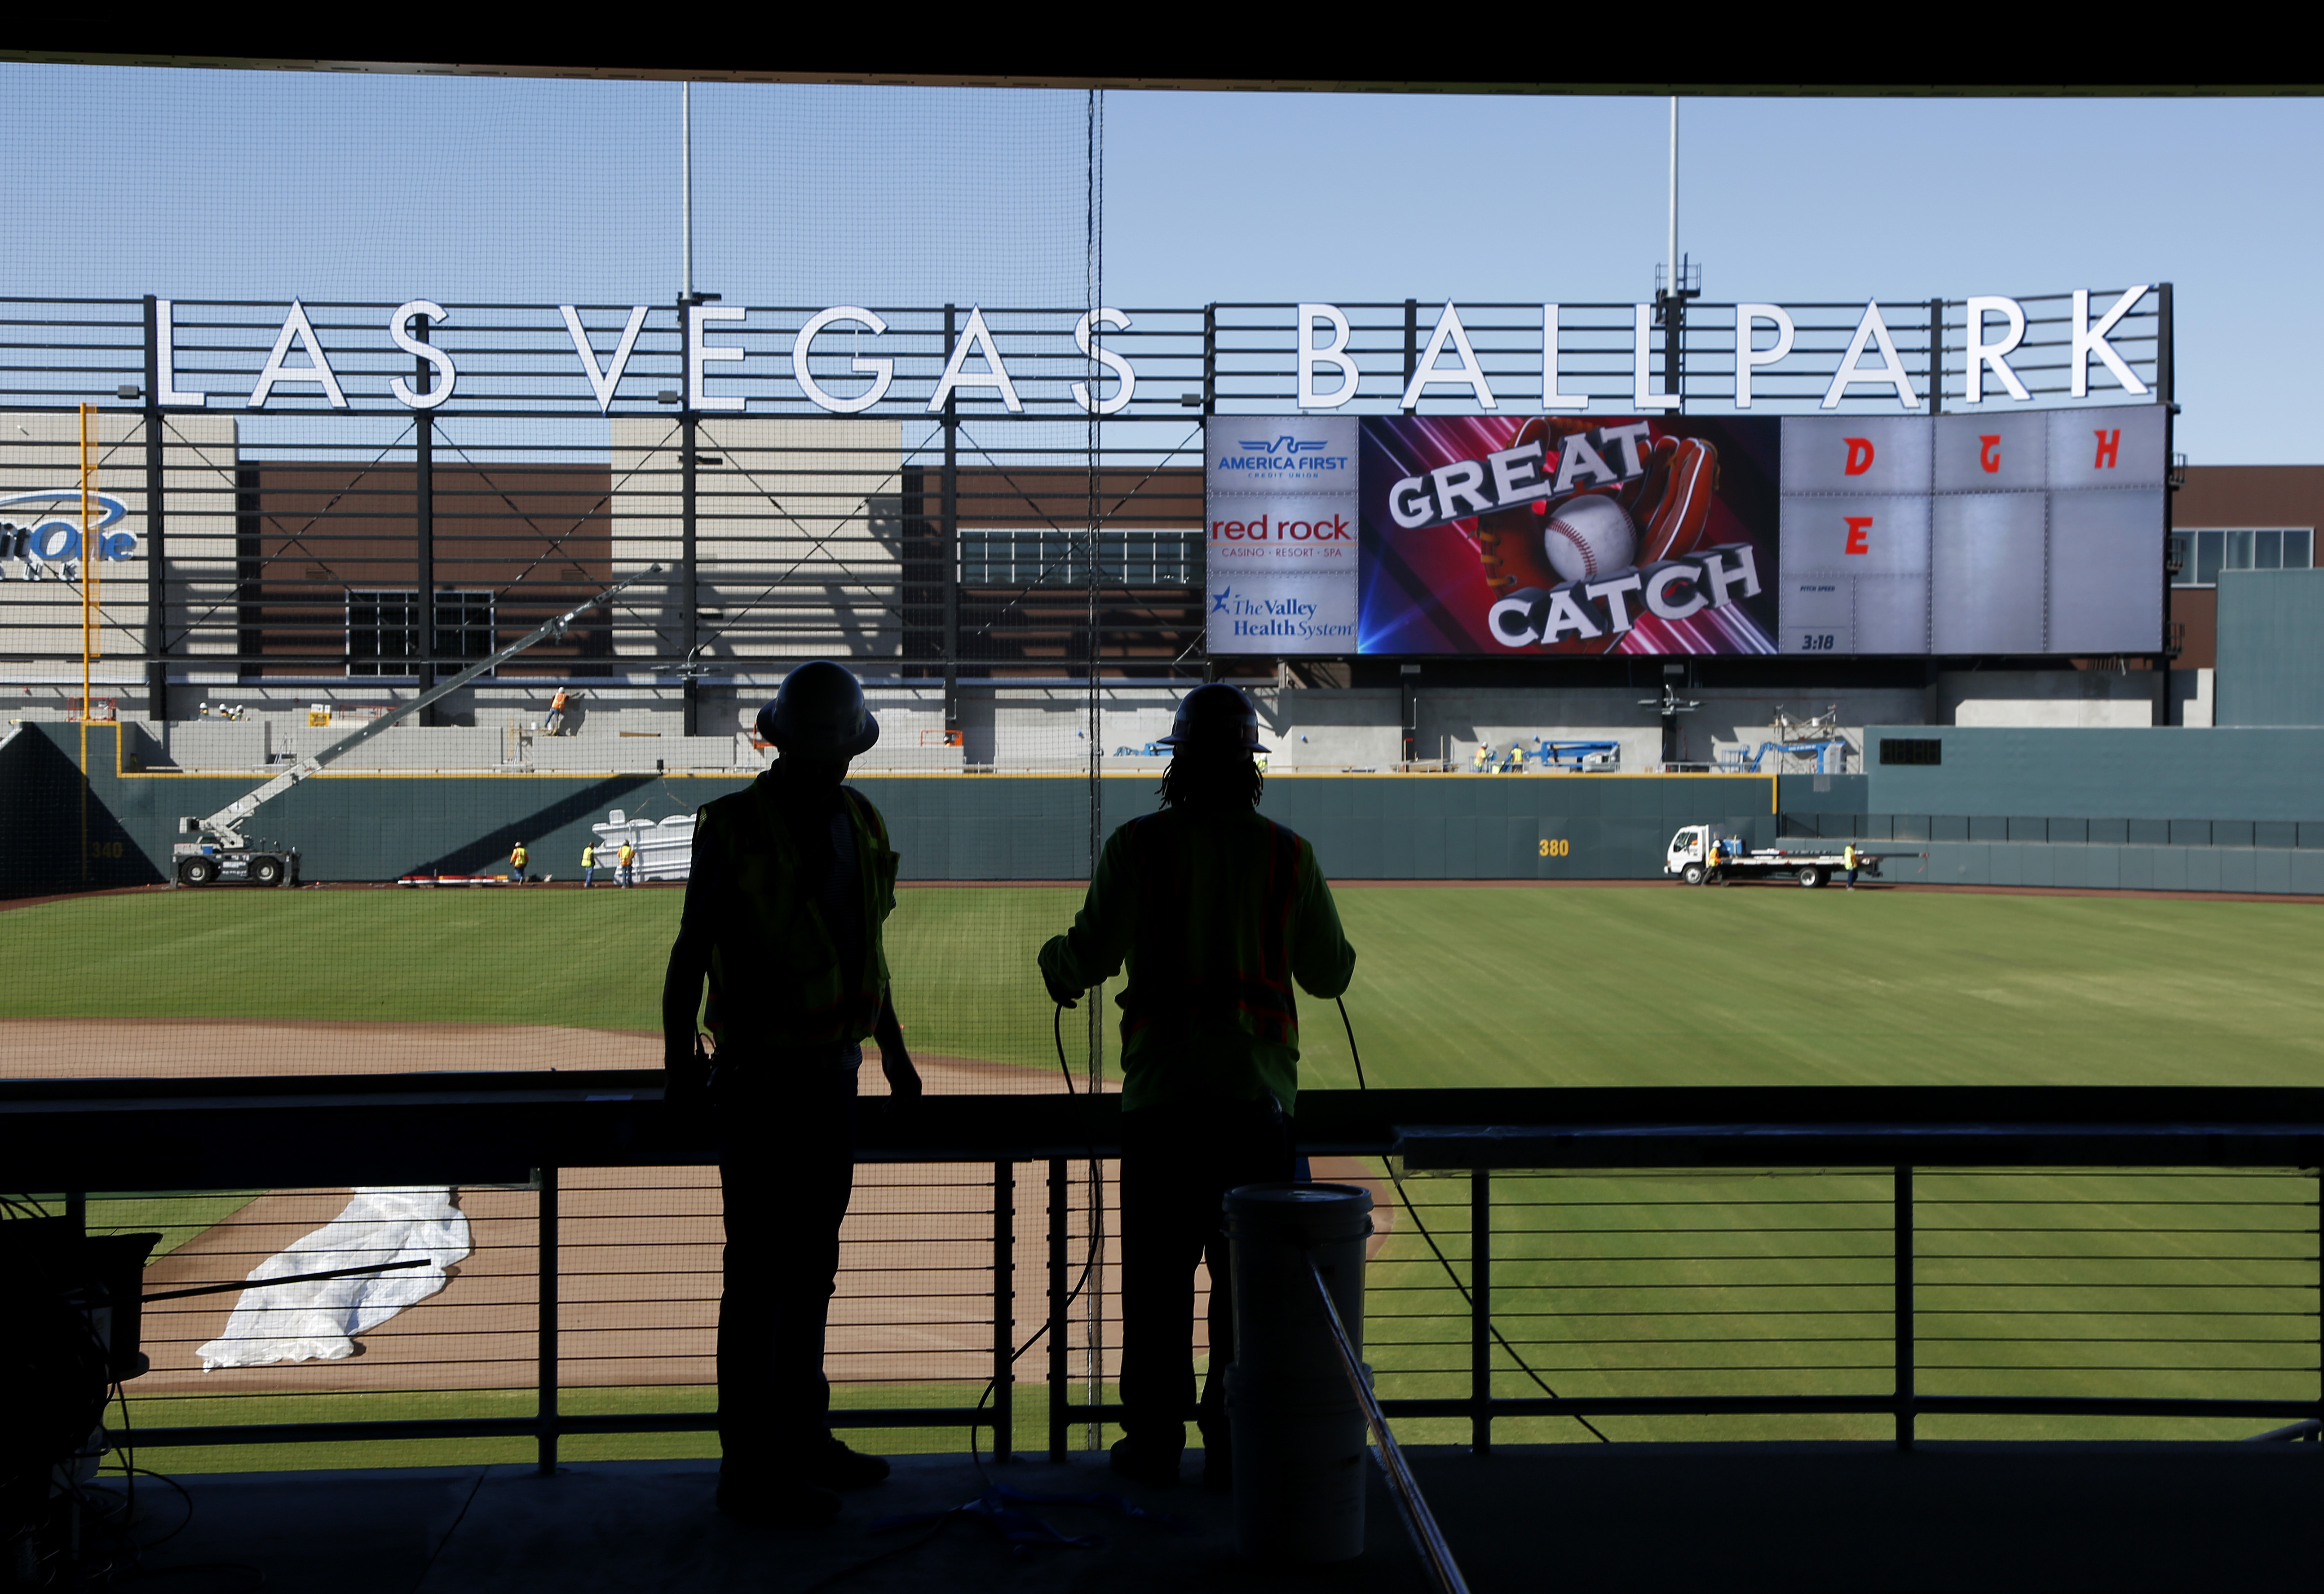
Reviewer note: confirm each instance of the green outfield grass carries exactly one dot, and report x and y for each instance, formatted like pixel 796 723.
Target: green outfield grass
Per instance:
pixel 2080 1284
pixel 1596 986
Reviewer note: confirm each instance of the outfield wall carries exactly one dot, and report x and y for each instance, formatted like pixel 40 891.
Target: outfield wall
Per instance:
pixel 377 825
pixel 2000 810
pixel 2091 773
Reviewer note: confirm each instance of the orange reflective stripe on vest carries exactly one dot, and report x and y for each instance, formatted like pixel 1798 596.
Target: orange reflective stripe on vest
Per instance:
pixel 1233 970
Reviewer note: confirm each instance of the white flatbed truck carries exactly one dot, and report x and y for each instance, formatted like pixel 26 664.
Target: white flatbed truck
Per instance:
pixel 1706 854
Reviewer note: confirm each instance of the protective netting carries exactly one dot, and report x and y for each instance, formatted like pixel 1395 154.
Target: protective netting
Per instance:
pixel 492 883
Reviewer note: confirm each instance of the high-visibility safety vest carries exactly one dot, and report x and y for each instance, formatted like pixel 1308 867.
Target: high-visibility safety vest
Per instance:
pixel 776 977
pixel 589 856
pixel 1240 978
pixel 626 854
pixel 518 856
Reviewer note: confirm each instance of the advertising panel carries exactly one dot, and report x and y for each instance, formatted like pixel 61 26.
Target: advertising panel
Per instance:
pixel 1488 536
pixel 1279 544
pixel 2038 533
pixel 1497 536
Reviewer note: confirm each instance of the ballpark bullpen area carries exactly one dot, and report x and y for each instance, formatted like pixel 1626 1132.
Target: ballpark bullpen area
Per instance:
pixel 1726 1283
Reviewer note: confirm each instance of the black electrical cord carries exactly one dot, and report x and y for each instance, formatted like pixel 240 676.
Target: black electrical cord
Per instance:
pixel 1056 1034
pixel 1442 1260
pixel 976 1459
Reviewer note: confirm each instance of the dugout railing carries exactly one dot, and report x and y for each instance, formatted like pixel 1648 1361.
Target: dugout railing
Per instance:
pixel 1591 1257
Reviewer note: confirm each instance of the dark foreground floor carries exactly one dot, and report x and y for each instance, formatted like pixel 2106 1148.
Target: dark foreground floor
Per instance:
pixel 1567 1517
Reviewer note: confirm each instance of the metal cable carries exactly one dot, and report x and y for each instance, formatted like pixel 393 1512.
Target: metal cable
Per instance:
pixel 1499 1338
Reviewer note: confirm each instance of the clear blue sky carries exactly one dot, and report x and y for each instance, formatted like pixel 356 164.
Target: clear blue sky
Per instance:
pixel 261 185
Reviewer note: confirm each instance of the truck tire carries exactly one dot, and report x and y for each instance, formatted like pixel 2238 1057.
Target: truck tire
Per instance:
pixel 266 871
pixel 196 872
pixel 1694 874
pixel 1811 876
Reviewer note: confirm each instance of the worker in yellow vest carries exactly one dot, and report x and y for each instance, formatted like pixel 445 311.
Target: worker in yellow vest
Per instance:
pixel 625 864
pixel 792 879
pixel 1216 912
pixel 589 863
pixel 518 857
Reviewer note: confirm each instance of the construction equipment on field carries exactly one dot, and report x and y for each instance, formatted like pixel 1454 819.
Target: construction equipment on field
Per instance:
pixel 1708 855
pixel 223 852
pixel 1755 763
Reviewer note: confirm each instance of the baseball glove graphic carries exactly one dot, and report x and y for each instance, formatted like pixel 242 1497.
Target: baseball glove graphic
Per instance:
pixel 1660 515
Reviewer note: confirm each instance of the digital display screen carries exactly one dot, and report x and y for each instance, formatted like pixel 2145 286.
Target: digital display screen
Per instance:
pixel 1481 536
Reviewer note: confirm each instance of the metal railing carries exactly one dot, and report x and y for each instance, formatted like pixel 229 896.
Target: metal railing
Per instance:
pixel 1907 1255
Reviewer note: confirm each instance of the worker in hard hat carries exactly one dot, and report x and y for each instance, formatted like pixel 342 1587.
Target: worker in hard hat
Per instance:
pixel 519 856
pixel 1484 758
pixel 792 879
pixel 625 863
pixel 1216 912
pixel 555 724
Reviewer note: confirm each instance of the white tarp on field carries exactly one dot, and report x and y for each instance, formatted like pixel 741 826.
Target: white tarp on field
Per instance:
pixel 318 1320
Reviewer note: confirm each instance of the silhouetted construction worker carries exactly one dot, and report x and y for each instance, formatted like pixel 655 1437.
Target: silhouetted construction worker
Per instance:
pixel 792 879
pixel 1216 911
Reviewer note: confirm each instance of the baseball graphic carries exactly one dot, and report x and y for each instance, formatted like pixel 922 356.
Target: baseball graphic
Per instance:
pixel 1588 536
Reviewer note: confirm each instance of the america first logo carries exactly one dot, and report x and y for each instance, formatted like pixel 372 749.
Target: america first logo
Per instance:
pixel 1282 456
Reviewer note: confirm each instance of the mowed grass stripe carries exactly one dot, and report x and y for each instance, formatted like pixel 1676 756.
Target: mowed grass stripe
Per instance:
pixel 1453 987
pixel 2080 1284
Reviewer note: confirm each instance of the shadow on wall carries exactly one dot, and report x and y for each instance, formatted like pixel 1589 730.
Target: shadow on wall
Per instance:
pixel 61 836
pixel 582 809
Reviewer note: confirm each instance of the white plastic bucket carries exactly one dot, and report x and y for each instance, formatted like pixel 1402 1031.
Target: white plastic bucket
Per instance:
pixel 1298 1428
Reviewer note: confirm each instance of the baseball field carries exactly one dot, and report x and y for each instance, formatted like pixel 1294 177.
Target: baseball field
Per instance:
pixel 1455 985
pixel 2182 1283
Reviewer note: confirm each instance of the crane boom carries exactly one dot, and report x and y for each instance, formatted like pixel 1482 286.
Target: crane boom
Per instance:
pixel 224 825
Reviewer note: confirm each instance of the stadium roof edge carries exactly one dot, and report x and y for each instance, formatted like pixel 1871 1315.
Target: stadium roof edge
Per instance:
pixel 725 71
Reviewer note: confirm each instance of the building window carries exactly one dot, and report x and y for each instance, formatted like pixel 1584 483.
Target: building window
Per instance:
pixel 2201 554
pixel 1021 558
pixel 1911 749
pixel 383 630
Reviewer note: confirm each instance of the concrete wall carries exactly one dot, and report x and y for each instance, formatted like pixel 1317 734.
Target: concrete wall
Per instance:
pixel 797 557
pixel 39 451
pixel 2271 647
pixel 2048 699
pixel 2155 773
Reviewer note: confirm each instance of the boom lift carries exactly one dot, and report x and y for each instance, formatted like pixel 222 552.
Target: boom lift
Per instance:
pixel 222 852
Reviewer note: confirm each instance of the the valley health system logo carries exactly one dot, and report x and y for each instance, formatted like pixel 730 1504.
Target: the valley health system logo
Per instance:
pixel 40 534
pixel 1279 542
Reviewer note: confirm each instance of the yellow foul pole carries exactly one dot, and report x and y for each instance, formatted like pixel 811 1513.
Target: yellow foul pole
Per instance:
pixel 88 612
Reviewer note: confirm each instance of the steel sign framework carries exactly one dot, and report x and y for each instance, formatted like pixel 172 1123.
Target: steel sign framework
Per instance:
pixel 902 484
